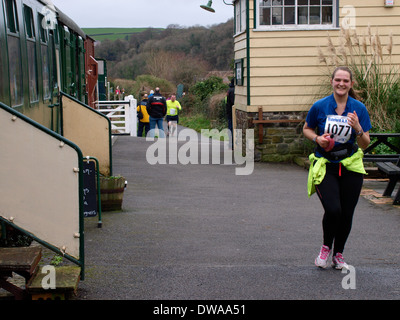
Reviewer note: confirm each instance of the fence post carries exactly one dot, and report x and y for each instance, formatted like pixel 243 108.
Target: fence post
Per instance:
pixel 132 122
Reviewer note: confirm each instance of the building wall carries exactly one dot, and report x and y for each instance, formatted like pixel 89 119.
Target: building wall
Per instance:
pixel 286 72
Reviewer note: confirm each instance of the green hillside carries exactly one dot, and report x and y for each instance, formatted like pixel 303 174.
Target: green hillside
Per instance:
pixel 101 34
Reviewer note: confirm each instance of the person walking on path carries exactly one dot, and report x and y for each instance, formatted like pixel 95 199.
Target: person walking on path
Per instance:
pixel 144 121
pixel 173 106
pixel 336 167
pixel 156 108
pixel 230 101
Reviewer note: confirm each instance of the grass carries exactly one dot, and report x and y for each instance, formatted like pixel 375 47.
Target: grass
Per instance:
pixel 198 122
pixel 195 122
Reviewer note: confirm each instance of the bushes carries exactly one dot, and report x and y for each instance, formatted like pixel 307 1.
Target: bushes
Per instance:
pixel 143 83
pixel 206 103
pixel 206 88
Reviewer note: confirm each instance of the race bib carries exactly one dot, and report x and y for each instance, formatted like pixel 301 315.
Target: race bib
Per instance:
pixel 172 112
pixel 338 126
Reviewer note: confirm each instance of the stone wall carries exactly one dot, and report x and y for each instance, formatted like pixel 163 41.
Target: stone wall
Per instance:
pixel 282 142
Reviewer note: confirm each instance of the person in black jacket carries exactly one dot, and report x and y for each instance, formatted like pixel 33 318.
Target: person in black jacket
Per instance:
pixel 230 101
pixel 157 109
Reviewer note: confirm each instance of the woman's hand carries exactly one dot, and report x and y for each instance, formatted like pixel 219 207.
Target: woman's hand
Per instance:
pixel 323 140
pixel 352 120
pixel 363 139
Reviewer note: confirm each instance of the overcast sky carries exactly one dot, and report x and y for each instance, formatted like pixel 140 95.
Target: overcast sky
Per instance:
pixel 144 13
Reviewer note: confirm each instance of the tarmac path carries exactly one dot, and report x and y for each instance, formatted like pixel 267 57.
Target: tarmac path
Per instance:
pixel 201 232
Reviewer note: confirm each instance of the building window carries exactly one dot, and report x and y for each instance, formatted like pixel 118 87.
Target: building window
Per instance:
pixel 239 72
pixel 240 16
pixel 296 14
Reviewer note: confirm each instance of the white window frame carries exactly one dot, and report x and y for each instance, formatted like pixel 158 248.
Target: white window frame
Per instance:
pixel 296 26
pixel 240 16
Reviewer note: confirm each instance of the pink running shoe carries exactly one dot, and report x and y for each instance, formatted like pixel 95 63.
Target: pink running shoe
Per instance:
pixel 338 262
pixel 322 259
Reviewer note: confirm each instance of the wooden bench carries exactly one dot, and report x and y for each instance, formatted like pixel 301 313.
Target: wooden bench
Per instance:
pixel 24 261
pixel 21 260
pixel 382 139
pixel 380 157
pixel 393 172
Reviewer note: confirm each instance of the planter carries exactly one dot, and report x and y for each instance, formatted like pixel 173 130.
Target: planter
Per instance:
pixel 112 192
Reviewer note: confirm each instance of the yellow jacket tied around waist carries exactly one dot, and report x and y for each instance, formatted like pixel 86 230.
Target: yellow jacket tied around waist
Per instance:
pixel 318 168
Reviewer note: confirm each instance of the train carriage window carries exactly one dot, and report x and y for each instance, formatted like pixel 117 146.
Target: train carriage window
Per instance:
pixel 14 54
pixel 31 50
pixel 67 61
pixel 45 71
pixel 42 31
pixel 30 29
pixel 15 70
pixel 12 17
pixel 45 58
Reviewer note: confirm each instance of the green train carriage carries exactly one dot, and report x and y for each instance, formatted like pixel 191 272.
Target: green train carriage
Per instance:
pixel 42 51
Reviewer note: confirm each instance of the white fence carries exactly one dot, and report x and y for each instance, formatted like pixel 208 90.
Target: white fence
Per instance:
pixel 122 114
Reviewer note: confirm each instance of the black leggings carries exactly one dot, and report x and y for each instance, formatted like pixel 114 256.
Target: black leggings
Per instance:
pixel 339 193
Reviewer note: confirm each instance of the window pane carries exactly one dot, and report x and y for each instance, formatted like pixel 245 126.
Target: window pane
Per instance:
pixel 12 18
pixel 265 18
pixel 243 15
pixel 302 2
pixel 33 85
pixel 315 15
pixel 303 16
pixel 315 2
pixel 277 15
pixel 289 15
pixel 14 60
pixel 289 2
pixel 30 30
pixel 277 2
pixel 265 3
pixel 327 2
pixel 237 17
pixel 327 15
pixel 43 31
pixel 45 72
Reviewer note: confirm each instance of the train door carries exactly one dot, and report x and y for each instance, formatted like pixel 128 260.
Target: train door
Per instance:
pixel 102 80
pixel 54 80
pixel 65 47
pixel 73 56
pixel 57 79
pixel 82 96
pixel 30 34
pixel 3 55
pixel 45 60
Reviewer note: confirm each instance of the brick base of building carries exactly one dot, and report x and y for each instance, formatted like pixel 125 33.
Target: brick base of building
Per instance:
pixel 281 142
